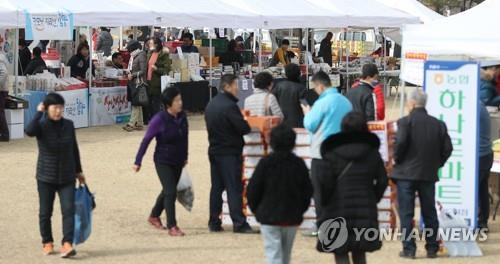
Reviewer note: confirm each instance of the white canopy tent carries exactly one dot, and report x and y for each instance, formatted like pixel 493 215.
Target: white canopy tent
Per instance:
pixel 199 13
pixel 474 33
pixel 413 7
pixel 365 14
pixel 86 13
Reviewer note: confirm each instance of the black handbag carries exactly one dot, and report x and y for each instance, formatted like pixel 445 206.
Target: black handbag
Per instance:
pixel 139 93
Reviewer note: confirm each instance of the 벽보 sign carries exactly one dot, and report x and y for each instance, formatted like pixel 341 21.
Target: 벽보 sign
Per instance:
pixel 452 88
pixel 57 26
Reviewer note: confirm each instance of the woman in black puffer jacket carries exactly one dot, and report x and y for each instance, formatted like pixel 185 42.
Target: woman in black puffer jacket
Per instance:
pixel 57 169
pixel 351 188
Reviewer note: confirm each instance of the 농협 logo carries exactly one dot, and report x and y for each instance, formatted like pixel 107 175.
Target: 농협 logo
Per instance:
pixel 438 79
pixel 332 233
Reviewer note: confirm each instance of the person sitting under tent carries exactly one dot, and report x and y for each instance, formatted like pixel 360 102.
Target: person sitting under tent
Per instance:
pixel 37 64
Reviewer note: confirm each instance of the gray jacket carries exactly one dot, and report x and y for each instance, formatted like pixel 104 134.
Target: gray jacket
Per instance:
pixel 4 74
pixel 140 65
pixel 105 42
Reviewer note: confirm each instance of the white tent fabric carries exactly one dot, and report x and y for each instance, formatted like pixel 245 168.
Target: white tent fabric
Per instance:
pixel 86 13
pixel 198 13
pixel 413 7
pixel 278 14
pixel 473 33
pixel 365 14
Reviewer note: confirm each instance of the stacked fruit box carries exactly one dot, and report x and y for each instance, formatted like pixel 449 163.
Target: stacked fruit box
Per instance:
pixel 386 207
pixel 256 147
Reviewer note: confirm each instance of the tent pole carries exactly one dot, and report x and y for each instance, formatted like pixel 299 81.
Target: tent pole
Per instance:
pixel 16 55
pixel 347 58
pixel 120 43
pixel 306 57
pixel 402 88
pixel 91 53
pixel 383 61
pixel 210 62
pixel 260 49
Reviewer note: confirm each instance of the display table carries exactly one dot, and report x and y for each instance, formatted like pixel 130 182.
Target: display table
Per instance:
pixel 108 106
pixel 76 107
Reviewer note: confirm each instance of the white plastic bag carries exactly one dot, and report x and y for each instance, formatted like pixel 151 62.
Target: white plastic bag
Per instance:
pixel 184 181
pixel 185 191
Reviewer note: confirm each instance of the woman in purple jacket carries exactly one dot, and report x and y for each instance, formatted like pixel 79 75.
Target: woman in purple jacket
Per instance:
pixel 170 128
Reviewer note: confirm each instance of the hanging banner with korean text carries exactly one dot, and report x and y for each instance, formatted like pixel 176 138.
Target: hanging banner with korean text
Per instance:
pixel 452 88
pixel 58 26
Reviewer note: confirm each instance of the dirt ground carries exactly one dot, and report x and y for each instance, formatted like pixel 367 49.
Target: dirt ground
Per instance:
pixel 124 199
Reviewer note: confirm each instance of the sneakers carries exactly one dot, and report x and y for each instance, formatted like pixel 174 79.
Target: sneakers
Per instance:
pixel 48 249
pixel 130 128
pixel 67 250
pixel 175 231
pixel 156 222
pixel 432 254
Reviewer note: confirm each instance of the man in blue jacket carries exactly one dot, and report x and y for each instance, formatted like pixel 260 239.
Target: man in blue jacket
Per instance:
pixel 322 121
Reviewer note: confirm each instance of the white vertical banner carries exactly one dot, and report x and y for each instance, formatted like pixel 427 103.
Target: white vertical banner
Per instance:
pixel 452 88
pixel 76 107
pixel 58 26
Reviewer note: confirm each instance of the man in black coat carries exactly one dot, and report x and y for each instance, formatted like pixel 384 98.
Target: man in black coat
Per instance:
pixel 362 97
pixel 325 49
pixel 289 93
pixel 226 128
pixel 422 147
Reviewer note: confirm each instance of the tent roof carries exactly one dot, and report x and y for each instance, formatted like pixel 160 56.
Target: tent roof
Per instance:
pixel 413 7
pixel 365 13
pixel 212 13
pixel 473 33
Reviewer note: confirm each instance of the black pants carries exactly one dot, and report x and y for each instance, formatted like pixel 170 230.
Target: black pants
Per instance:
pixel 358 257
pixel 47 194
pixel 169 177
pixel 318 166
pixel 4 129
pixel 406 202
pixel 226 174
pixel 155 105
pixel 485 163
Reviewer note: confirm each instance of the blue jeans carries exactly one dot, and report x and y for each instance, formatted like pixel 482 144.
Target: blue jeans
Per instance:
pixel 226 174
pixel 406 201
pixel 47 194
pixel 278 243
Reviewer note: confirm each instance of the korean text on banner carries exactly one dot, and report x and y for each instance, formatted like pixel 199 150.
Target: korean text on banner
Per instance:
pixel 452 88
pixel 57 26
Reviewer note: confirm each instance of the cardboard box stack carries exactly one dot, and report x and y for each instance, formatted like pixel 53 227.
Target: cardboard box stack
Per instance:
pixel 386 207
pixel 256 147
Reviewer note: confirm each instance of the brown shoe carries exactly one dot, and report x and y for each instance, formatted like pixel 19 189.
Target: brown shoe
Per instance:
pixel 138 128
pixel 128 128
pixel 175 231
pixel 48 249
pixel 67 250
pixel 156 222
